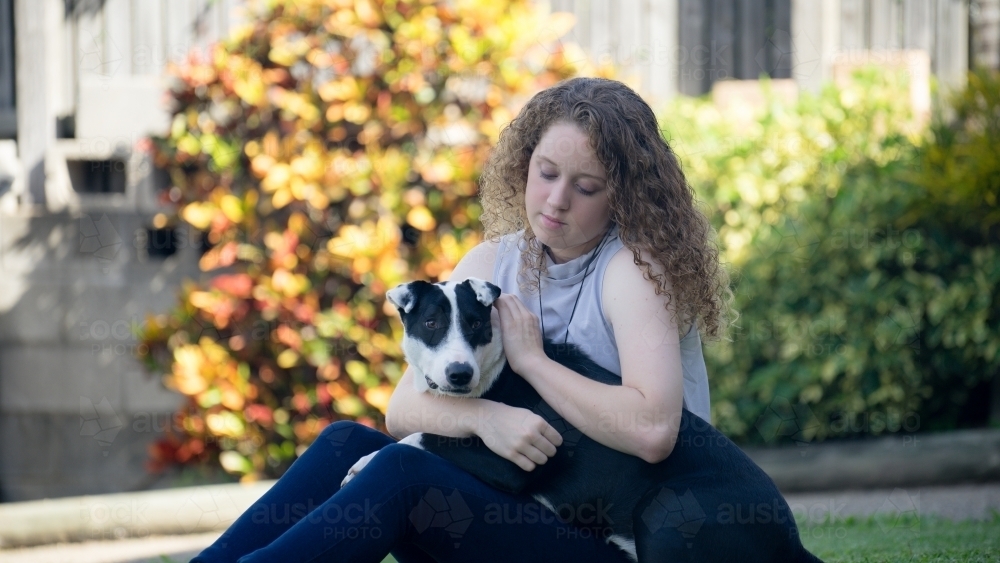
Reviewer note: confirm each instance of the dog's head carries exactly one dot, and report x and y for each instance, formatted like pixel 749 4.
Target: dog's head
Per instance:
pixel 448 336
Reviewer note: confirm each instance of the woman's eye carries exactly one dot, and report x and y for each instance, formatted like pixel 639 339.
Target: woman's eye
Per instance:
pixel 431 324
pixel 578 188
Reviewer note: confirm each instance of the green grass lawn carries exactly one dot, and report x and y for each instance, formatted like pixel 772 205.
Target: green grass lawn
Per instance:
pixel 927 540
pixel 904 540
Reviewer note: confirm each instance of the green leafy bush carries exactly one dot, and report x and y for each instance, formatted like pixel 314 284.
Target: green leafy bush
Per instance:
pixel 867 263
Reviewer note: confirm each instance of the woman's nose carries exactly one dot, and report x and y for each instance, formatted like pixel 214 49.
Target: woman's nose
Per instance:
pixel 559 196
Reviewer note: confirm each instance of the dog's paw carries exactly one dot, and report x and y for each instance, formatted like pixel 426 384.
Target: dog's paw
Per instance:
pixel 413 440
pixel 356 468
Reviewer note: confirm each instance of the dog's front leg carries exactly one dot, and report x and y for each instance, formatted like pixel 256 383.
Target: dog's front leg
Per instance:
pixel 411 440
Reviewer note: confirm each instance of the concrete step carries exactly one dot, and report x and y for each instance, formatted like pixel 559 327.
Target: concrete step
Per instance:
pixel 896 460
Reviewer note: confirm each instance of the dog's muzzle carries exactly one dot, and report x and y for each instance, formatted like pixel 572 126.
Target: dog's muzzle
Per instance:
pixel 449 390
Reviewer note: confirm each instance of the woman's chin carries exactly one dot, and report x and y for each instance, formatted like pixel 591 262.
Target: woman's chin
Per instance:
pixel 545 237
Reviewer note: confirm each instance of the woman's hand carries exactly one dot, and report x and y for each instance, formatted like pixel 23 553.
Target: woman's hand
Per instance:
pixel 519 435
pixel 520 332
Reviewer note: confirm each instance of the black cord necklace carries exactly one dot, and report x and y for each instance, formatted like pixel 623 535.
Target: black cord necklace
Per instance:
pixel 586 272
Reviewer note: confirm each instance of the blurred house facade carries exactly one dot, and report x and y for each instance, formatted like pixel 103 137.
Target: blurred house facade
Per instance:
pixel 82 259
pixel 84 253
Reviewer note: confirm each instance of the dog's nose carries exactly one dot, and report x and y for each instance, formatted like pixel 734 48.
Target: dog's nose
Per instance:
pixel 458 373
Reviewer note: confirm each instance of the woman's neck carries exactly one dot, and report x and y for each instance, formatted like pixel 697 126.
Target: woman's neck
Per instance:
pixel 562 258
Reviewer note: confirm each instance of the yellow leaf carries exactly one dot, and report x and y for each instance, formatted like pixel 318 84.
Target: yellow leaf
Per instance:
pixel 357 370
pixel 288 358
pixel 420 218
pixel 199 215
pixel 356 112
pixel 349 405
pixel 215 353
pixel 187 370
pixel 362 265
pixel 378 397
pixel 233 462
pixel 225 424
pixel 282 198
pixel 339 90
pixel 232 208
pixel 277 177
pixel 232 399
pixel 261 164
pixel 201 299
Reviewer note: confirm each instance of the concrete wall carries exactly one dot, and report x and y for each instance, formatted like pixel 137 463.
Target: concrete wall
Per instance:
pixel 77 411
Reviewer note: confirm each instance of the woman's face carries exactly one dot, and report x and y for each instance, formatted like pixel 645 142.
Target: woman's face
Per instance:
pixel 566 197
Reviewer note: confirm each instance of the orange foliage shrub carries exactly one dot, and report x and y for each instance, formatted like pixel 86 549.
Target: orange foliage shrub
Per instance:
pixel 328 151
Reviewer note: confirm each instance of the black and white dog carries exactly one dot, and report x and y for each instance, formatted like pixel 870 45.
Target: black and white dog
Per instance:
pixel 707 502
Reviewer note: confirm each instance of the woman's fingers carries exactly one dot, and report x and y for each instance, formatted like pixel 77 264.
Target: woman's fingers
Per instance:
pixel 553 436
pixel 525 463
pixel 535 455
pixel 511 305
pixel 545 446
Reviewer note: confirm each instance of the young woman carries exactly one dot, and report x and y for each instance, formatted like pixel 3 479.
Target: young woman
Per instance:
pixel 594 238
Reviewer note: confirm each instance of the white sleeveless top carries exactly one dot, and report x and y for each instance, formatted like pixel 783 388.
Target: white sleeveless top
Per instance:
pixel 589 330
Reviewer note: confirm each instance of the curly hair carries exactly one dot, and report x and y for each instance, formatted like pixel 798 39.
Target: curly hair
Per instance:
pixel 649 197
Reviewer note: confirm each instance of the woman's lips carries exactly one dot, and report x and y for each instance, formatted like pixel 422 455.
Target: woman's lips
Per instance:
pixel 550 222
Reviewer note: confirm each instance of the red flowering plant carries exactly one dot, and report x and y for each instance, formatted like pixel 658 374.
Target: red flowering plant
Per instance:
pixel 328 151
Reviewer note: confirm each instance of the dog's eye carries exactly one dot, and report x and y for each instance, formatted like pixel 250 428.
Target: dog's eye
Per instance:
pixel 477 324
pixel 431 324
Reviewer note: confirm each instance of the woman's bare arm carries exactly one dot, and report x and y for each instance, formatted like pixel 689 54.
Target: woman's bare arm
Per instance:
pixel 641 416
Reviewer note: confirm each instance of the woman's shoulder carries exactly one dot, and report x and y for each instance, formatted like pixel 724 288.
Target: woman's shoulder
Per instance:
pixel 623 277
pixel 623 268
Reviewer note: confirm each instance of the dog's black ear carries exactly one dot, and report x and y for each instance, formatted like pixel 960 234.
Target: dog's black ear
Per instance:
pixel 404 296
pixel 486 293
